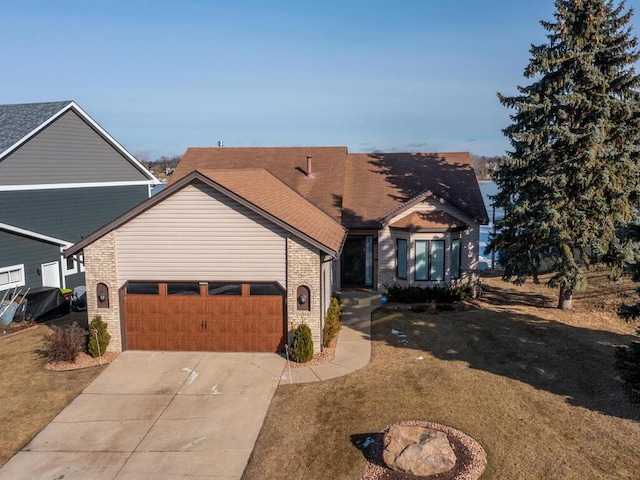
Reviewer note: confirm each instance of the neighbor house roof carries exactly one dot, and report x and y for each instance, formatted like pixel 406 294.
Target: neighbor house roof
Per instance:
pixel 257 190
pixel 427 221
pixel 19 120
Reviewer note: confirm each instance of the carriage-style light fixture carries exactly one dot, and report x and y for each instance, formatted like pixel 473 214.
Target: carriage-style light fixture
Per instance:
pixel 302 298
pixel 102 297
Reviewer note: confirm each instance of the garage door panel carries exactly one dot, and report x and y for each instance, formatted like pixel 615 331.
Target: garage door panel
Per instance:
pixel 231 323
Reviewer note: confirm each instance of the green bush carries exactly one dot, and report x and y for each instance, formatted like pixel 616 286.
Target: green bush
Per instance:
pixel 332 322
pixel 437 293
pixel 97 325
pixel 64 343
pixel 302 344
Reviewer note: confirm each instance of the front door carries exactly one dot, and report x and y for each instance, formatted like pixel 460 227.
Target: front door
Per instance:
pixel 51 274
pixel 357 261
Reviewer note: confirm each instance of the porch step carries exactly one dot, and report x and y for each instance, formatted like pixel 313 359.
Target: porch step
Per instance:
pixel 360 299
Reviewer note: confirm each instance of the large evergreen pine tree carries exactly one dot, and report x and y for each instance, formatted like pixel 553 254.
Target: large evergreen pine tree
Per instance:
pixel 571 180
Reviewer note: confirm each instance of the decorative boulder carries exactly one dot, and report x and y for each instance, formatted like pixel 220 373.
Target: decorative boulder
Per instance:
pixel 417 450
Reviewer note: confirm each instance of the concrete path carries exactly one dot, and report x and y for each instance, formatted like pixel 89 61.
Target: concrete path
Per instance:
pixel 177 415
pixel 353 351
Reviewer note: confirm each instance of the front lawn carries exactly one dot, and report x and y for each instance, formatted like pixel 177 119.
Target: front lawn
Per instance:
pixel 534 385
pixel 30 396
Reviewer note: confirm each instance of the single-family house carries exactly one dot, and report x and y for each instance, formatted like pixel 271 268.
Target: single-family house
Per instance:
pixel 245 243
pixel 61 177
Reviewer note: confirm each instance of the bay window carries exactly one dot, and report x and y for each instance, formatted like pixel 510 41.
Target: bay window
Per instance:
pixel 456 258
pixel 429 260
pixel 401 258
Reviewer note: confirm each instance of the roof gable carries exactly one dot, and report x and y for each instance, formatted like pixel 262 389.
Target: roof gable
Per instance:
pixel 381 185
pixel 21 123
pixel 258 190
pixel 19 120
pixel 429 221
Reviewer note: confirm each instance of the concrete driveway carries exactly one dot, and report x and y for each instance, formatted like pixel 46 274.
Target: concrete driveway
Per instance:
pixel 157 415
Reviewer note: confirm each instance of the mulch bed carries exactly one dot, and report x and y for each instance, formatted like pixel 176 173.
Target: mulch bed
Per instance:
pixel 82 361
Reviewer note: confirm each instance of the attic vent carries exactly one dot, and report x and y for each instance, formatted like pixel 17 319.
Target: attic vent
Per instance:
pixel 220 144
pixel 308 165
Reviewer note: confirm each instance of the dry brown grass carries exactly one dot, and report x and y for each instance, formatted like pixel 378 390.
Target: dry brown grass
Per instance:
pixel 535 386
pixel 30 396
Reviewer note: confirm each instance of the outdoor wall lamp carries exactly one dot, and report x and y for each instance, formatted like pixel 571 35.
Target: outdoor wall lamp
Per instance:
pixel 303 295
pixel 102 293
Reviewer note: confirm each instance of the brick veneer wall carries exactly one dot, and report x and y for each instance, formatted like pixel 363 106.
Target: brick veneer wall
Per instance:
pixel 101 267
pixel 386 278
pixel 303 268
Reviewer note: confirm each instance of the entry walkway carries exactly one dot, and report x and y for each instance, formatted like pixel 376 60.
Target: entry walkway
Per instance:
pixel 353 351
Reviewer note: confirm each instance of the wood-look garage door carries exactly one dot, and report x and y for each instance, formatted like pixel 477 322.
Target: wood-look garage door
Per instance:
pixel 204 316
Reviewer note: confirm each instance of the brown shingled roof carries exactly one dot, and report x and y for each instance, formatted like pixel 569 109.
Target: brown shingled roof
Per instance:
pixel 379 184
pixel 358 190
pixel 272 196
pixel 323 187
pixel 429 221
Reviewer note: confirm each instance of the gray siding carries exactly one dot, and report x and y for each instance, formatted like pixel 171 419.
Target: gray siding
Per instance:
pixel 67 151
pixel 17 250
pixel 68 214
pixel 200 234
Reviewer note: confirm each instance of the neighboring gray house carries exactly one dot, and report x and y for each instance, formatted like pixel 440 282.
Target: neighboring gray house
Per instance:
pixel 61 177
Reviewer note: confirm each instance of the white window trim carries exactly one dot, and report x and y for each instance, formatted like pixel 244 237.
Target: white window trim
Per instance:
pixel 69 271
pixel 78 265
pixel 19 283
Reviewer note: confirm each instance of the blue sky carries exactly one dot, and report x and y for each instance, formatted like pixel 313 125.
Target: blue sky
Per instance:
pixel 390 75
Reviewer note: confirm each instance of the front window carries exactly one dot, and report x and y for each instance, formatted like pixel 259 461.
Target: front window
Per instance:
pixel 11 277
pixel 436 260
pixel 70 266
pixel 456 258
pixel 401 258
pixel 429 260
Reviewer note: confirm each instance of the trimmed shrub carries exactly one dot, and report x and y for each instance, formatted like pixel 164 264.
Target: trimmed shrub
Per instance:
pixel 437 294
pixel 302 344
pixel 98 347
pixel 332 322
pixel 64 343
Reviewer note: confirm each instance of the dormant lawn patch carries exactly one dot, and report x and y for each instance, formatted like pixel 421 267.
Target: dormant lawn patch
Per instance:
pixel 536 387
pixel 30 396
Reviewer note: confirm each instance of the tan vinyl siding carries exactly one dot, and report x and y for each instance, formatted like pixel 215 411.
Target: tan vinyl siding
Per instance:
pixel 67 151
pixel 200 234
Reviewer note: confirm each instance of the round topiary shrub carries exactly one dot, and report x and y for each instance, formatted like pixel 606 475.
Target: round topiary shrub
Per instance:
pixel 98 347
pixel 302 344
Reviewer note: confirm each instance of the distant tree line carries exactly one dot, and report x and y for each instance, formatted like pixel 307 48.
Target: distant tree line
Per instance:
pixel 485 166
pixel 163 165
